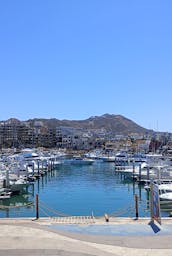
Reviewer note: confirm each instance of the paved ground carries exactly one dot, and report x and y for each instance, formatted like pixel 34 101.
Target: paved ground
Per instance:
pixel 27 237
pixel 116 229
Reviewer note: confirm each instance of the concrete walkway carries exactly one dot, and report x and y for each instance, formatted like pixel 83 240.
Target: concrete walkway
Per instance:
pixel 27 237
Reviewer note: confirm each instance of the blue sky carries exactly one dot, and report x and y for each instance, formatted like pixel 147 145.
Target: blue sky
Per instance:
pixel 72 59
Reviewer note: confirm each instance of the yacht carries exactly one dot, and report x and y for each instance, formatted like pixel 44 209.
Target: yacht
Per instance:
pixel 77 160
pixel 166 196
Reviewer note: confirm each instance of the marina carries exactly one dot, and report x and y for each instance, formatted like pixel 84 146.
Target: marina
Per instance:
pixel 76 186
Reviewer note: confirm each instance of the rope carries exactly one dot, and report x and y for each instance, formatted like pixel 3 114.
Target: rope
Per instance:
pixel 122 211
pixel 44 212
pixel 44 207
pixel 53 210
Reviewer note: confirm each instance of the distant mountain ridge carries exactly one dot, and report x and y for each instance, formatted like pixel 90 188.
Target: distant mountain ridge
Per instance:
pixel 116 124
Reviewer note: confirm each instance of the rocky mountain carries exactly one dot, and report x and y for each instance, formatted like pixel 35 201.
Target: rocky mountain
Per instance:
pixel 115 124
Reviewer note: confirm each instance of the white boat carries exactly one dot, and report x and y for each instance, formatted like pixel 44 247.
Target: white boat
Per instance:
pixel 17 184
pixel 81 161
pixel 166 196
pixel 108 158
pixel 165 187
pixel 121 157
pixel 135 171
pixel 5 194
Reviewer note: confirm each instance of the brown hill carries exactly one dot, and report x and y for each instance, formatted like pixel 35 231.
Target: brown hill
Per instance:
pixel 115 124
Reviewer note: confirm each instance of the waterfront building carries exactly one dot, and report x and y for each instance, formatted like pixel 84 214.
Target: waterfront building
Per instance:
pixel 15 134
pixel 36 133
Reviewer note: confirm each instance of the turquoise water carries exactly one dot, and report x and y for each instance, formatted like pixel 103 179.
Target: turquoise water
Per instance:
pixel 80 190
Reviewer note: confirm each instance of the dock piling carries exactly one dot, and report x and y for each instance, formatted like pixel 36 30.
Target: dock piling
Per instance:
pixel 37 206
pixel 140 173
pixel 106 217
pixel 136 207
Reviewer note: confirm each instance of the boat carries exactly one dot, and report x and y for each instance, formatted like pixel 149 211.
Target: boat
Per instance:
pixel 18 184
pixel 5 193
pixel 108 158
pixel 121 157
pixel 164 186
pixel 166 196
pixel 80 161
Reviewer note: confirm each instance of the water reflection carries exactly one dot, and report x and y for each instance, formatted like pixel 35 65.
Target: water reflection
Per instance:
pixel 16 206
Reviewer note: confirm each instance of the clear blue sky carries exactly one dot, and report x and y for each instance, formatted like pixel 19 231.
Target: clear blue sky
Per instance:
pixel 72 59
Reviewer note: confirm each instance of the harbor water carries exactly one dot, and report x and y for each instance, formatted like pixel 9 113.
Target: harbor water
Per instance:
pixel 80 190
